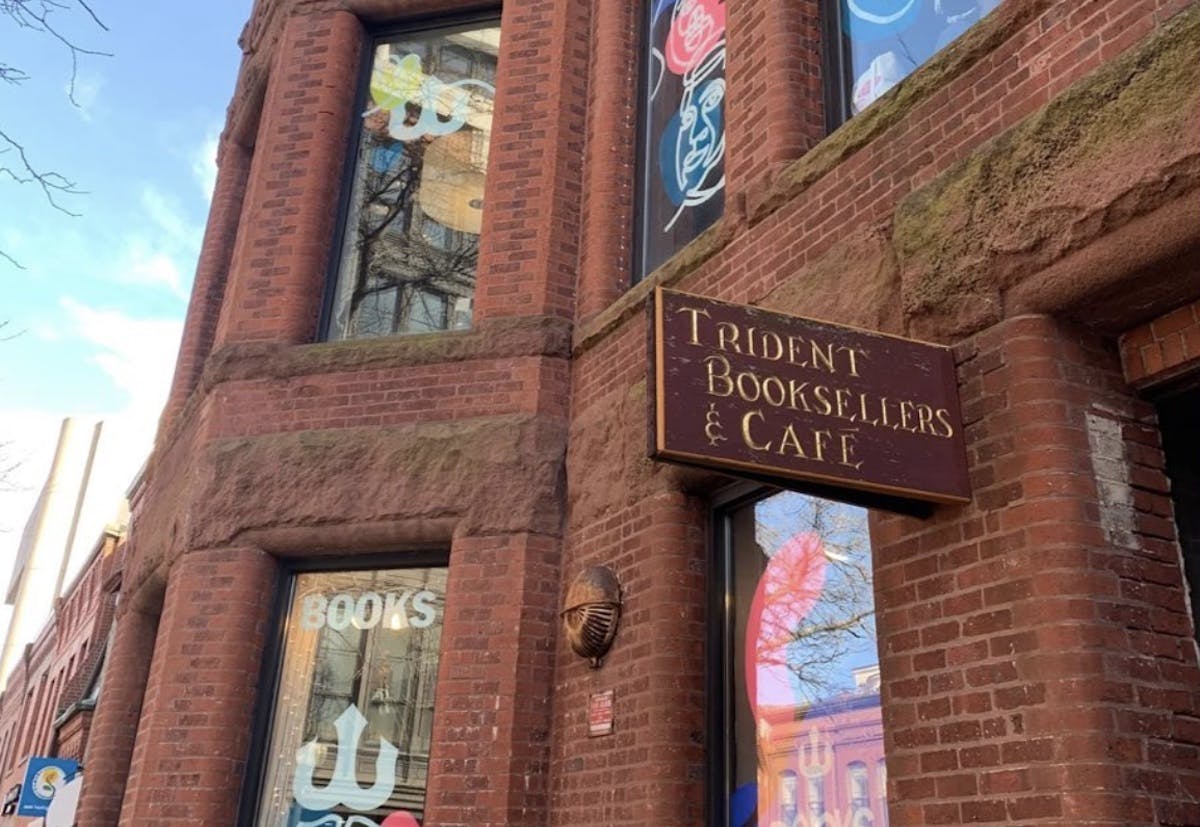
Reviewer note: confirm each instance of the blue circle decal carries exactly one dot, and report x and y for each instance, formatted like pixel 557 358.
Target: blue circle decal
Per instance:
pixel 873 19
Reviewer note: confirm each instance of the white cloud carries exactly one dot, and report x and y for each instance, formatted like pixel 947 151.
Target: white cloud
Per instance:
pixel 204 162
pixel 163 251
pixel 164 212
pixel 85 91
pixel 140 264
pixel 137 354
pixel 45 331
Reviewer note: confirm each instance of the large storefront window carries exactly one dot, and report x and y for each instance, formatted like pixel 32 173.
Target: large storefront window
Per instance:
pixel 800 699
pixel 411 238
pixel 682 135
pixel 353 712
pixel 882 41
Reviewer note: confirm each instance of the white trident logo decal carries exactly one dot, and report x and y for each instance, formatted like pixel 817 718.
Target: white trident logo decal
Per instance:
pixel 343 786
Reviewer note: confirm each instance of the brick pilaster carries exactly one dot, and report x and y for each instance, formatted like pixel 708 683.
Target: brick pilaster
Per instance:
pixel 277 276
pixel 110 745
pixel 1036 648
pixel 197 716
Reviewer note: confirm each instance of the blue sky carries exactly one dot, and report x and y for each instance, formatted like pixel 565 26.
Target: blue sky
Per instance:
pixel 99 306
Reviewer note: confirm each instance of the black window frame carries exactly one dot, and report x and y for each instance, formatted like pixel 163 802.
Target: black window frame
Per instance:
pixel 353 143
pixel 254 773
pixel 719 663
pixel 836 71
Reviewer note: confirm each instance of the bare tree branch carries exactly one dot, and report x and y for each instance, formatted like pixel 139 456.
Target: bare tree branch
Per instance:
pixel 26 173
pixel 38 16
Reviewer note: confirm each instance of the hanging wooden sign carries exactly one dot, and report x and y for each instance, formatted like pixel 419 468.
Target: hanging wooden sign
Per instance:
pixel 785 398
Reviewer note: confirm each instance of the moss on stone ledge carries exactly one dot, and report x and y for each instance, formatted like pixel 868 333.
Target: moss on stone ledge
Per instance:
pixel 1115 145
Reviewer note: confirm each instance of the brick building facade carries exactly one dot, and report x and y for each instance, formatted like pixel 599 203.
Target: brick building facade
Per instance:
pixel 1028 197
pixel 47 705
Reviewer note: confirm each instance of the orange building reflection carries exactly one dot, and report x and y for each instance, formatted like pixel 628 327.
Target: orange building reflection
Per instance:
pixel 822 765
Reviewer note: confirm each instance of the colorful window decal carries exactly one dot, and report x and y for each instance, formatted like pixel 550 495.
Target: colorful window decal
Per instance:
pixel 885 40
pixel 411 240
pixel 683 126
pixel 806 735
pixel 353 715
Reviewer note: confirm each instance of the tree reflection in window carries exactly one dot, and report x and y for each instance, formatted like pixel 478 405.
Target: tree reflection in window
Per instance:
pixel 411 240
pixel 802 698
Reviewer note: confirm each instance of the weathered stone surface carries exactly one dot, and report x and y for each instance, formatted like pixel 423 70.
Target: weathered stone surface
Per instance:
pixel 608 446
pixel 818 290
pixel 1120 144
pixel 894 107
pixel 458 473
pixel 499 338
pixel 463 470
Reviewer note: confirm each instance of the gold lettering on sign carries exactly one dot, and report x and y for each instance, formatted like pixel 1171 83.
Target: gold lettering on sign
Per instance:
pixel 749 440
pixel 717 368
pixel 753 341
pixel 696 314
pixel 753 371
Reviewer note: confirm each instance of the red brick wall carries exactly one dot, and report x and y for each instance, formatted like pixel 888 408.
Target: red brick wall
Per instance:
pixel 651 769
pixel 491 728
pixel 261 421
pixel 775 110
pixel 277 275
pixel 115 721
pixel 606 206
pixel 1003 679
pixel 58 665
pixel 1164 348
pixel 1037 651
pixel 528 246
pixel 198 710
pixel 208 287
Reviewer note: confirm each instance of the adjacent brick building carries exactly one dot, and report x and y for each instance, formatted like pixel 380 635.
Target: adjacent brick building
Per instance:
pixel 47 706
pixel 411 406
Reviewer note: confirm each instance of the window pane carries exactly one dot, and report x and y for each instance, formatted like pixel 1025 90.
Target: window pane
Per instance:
pixel 888 39
pixel 806 722
pixel 353 715
pixel 682 139
pixel 417 193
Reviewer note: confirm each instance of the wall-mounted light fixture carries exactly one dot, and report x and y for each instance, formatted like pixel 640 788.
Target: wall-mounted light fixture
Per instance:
pixel 593 610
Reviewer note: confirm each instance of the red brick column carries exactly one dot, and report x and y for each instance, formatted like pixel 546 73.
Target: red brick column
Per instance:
pixel 190 756
pixel 277 277
pixel 606 234
pixel 774 103
pixel 115 721
pixel 528 250
pixel 1036 649
pixel 651 771
pixel 492 710
pixel 212 271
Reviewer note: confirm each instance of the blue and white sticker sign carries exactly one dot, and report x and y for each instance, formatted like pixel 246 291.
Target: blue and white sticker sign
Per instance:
pixel 43 778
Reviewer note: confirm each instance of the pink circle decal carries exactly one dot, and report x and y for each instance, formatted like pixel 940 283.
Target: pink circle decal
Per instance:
pixel 786 592
pixel 400 820
pixel 698 26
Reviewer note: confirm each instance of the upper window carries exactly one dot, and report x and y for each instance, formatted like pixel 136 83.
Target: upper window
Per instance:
pixel 352 716
pixel 798 709
pixel 411 236
pixel 882 41
pixel 682 135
